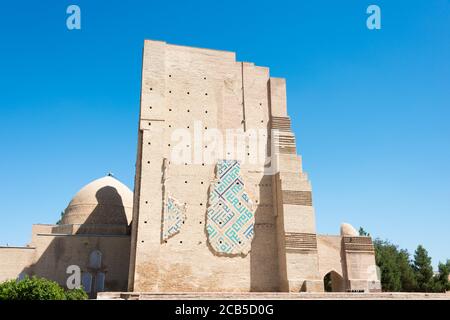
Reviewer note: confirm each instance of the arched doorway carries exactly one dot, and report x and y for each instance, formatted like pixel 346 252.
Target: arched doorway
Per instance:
pixel 333 282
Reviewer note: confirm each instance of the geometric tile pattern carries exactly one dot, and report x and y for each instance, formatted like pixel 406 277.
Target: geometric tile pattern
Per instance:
pixel 173 218
pixel 230 214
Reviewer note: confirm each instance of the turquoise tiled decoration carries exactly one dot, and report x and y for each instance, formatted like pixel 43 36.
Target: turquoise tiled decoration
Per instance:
pixel 173 219
pixel 230 214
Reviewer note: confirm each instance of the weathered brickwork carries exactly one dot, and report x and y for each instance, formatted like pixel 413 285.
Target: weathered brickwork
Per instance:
pixel 300 198
pixel 358 244
pixel 226 244
pixel 227 222
pixel 298 242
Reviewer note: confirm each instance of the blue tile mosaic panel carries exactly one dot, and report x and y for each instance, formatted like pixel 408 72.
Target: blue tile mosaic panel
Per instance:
pixel 173 218
pixel 230 214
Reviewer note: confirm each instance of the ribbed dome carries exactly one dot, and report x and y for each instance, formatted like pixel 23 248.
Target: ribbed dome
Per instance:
pixel 103 201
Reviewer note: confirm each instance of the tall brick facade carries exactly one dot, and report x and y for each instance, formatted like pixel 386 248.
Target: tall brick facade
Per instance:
pixel 221 202
pixel 191 89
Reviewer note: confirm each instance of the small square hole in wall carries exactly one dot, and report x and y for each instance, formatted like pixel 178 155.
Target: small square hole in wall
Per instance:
pixel 151 89
pixel 148 162
pixel 206 94
pixel 185 182
pixel 187 92
pixel 145 221
pixel 170 91
pixel 170 76
pixel 204 78
pixel 149 123
pixel 170 109
pixel 188 110
pixel 206 111
pixel 151 107
pixel 181 241
pixel 149 143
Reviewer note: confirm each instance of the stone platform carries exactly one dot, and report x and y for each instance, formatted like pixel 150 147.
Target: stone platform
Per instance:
pixel 271 296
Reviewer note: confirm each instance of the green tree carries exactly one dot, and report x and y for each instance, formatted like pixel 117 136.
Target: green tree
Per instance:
pixel 441 283
pixel 61 217
pixel 386 257
pixel 399 273
pixel 423 270
pixel 407 275
pixel 363 232
pixel 76 294
pixel 37 289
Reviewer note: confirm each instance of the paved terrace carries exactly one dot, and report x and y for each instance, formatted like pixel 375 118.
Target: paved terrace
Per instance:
pixel 272 296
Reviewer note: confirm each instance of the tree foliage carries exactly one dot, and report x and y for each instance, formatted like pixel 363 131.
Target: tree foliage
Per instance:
pixel 387 259
pixel 400 273
pixel 76 294
pixel 441 283
pixel 407 275
pixel 38 289
pixel 363 232
pixel 423 269
pixel 60 218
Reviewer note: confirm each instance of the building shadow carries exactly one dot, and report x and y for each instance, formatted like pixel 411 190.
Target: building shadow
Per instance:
pixel 105 233
pixel 264 268
pixel 109 210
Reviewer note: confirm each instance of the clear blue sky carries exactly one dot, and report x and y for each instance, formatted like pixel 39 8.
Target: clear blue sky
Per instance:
pixel 370 109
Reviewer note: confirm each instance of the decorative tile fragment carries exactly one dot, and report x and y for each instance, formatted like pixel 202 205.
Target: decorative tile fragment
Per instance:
pixel 173 219
pixel 230 214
